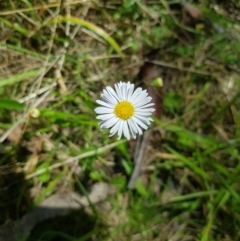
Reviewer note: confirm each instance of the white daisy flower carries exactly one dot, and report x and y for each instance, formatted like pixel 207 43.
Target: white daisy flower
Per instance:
pixel 123 109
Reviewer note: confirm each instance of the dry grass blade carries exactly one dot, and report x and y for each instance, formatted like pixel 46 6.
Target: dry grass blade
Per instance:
pixel 90 26
pixel 42 6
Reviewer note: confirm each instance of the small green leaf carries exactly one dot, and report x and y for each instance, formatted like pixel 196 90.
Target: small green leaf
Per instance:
pixel 49 189
pixel 44 177
pixel 96 175
pixel 158 82
pixel 141 189
pixel 10 104
pixel 120 182
pixel 16 78
pixel 127 167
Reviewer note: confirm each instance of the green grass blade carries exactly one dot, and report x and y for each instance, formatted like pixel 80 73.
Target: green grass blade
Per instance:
pixel 16 78
pixel 190 164
pixel 15 26
pixel 23 50
pixel 49 189
pixel 10 104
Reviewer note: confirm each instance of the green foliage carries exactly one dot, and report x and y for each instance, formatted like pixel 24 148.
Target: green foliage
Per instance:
pixel 172 102
pixel 14 79
pixel 141 189
pixel 45 177
pixel 189 183
pixel 10 104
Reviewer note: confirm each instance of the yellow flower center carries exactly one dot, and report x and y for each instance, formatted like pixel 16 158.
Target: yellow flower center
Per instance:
pixel 124 110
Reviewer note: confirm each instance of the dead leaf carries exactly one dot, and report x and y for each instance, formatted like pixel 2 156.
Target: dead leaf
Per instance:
pixel 60 80
pixel 35 144
pixel 16 135
pixel 31 163
pixel 193 11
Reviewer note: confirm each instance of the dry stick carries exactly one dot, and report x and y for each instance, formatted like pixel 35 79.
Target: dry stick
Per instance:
pixel 173 66
pixel 41 91
pixel 137 148
pixel 139 160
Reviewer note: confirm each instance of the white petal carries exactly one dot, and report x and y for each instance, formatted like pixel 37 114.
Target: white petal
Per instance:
pixel 103 110
pixel 115 128
pixel 104 98
pixel 120 130
pixel 132 128
pixel 105 116
pixel 147 110
pixel 126 89
pixel 140 132
pixel 144 119
pixel 100 102
pixel 130 91
pixel 132 132
pixel 126 130
pixel 112 93
pixel 108 97
pixel 143 113
pixel 145 106
pixel 140 111
pixel 139 98
pixel 108 123
pixel 143 102
pixel 140 123
pixel 138 129
pixel 129 86
pixel 117 88
pixel 135 94
pixel 122 91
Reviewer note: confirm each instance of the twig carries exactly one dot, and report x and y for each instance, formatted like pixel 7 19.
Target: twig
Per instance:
pixel 173 66
pixel 33 95
pixel 139 160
